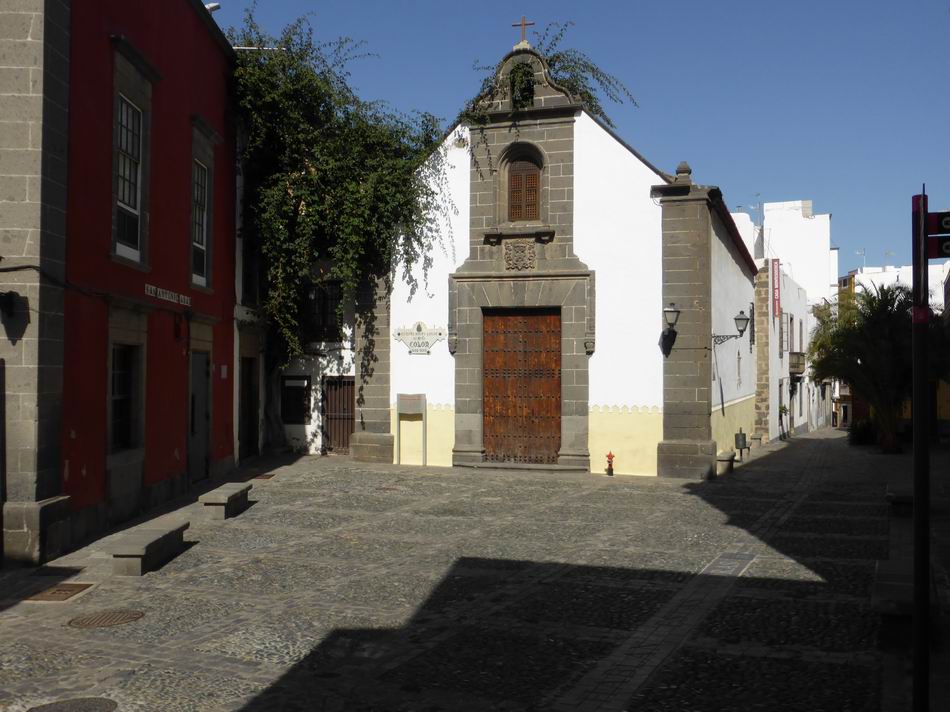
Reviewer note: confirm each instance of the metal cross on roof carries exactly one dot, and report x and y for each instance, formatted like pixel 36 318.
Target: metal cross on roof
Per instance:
pixel 523 25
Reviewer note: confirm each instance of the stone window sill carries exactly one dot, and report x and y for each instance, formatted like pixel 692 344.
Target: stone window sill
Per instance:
pixel 140 266
pixel 539 231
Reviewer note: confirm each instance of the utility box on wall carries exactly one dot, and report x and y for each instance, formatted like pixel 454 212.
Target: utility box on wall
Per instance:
pixel 410 404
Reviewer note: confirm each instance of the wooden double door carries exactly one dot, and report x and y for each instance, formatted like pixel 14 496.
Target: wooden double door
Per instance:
pixel 521 389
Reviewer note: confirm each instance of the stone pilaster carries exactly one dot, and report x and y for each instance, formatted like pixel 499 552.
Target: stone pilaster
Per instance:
pixel 687 449
pixel 34 95
pixel 372 440
pixel 762 296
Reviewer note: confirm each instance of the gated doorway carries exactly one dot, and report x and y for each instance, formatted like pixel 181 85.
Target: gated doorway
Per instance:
pixel 522 385
pixel 339 406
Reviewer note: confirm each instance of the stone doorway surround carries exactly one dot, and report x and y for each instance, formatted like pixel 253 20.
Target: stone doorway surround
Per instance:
pixel 570 291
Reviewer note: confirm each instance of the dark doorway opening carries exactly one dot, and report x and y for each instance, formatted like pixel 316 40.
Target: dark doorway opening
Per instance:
pixel 248 414
pixel 199 418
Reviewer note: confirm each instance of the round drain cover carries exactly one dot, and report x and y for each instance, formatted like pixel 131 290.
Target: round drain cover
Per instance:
pixel 104 619
pixel 82 704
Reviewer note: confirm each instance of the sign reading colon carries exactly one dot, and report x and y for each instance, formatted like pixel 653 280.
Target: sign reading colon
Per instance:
pixel 419 338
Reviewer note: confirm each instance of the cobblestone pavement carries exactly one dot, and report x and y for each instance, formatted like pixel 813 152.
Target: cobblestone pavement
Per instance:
pixel 356 587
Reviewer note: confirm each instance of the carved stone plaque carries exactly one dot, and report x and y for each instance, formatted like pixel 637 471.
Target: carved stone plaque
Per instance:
pixel 419 338
pixel 520 255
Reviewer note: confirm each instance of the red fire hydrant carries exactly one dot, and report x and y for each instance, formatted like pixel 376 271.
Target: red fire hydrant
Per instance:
pixel 610 464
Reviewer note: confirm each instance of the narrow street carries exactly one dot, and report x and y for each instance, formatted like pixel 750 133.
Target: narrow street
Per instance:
pixel 358 587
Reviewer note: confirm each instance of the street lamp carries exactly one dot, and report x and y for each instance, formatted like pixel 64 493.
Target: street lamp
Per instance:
pixel 742 322
pixel 668 336
pixel 671 314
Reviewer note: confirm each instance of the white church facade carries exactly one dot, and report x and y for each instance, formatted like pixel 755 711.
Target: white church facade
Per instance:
pixel 533 340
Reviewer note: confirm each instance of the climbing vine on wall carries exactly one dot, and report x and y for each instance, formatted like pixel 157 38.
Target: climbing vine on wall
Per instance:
pixel 571 69
pixel 328 176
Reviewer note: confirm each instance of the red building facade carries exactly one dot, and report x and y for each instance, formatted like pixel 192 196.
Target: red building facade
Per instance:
pixel 132 395
pixel 149 333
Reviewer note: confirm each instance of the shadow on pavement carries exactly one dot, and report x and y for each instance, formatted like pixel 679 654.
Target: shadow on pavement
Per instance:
pixel 778 620
pixel 18 584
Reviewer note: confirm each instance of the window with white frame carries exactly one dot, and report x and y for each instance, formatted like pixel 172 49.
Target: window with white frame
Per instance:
pixel 199 225
pixel 128 167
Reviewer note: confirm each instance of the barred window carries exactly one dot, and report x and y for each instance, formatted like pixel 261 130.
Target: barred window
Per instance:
pixel 199 226
pixel 128 178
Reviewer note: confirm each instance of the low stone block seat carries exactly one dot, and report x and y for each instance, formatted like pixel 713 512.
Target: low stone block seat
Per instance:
pixel 145 549
pixel 228 500
pixel 725 461
pixel 901 499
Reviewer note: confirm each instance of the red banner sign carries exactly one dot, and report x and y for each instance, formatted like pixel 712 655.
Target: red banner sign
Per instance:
pixel 776 289
pixel 938 223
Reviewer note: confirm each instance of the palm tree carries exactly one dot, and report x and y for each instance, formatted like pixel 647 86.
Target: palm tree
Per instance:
pixel 867 344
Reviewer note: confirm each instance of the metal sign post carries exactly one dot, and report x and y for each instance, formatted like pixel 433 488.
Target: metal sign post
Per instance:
pixel 920 408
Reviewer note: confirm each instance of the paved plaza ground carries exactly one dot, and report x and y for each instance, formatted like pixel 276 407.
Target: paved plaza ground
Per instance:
pixel 354 587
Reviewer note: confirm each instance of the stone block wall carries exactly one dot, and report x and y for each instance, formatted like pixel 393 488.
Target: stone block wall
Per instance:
pixel 687 449
pixel 34 92
pixel 372 440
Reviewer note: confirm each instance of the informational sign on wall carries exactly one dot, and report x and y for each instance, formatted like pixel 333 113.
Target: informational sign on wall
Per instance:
pixel 419 338
pixel 776 289
pixel 168 295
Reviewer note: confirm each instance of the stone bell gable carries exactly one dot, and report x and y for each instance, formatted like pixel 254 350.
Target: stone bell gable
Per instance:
pixel 521 254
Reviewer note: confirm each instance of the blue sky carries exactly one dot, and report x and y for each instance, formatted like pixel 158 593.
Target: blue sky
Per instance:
pixel 844 102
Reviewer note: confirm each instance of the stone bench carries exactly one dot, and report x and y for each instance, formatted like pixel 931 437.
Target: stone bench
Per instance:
pixel 228 500
pixel 145 549
pixel 755 442
pixel 725 461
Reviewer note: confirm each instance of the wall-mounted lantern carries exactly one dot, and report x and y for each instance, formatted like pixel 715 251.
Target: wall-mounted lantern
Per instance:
pixel 668 336
pixel 671 314
pixel 742 322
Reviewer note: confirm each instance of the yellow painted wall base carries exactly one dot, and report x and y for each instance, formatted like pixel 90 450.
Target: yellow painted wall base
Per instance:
pixel 740 414
pixel 631 434
pixel 439 441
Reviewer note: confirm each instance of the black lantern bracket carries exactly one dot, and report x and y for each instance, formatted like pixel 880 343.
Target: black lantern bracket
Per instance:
pixel 742 323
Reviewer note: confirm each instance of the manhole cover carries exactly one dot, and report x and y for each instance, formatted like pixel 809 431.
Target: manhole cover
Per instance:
pixel 104 619
pixel 59 592
pixel 82 704
pixel 264 477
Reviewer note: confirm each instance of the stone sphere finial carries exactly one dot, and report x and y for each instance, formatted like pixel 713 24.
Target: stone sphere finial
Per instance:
pixel 683 173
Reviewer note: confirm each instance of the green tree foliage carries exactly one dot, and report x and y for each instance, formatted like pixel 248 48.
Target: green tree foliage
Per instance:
pixel 570 69
pixel 327 176
pixel 575 71
pixel 865 341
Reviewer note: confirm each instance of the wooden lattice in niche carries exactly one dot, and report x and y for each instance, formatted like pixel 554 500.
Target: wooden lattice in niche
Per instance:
pixel 524 183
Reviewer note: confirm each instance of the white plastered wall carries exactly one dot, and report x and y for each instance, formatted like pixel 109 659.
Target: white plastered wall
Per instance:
pixel 617 233
pixel 331 359
pixel 433 374
pixel 794 302
pixel 802 241
pixel 871 277
pixel 732 292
